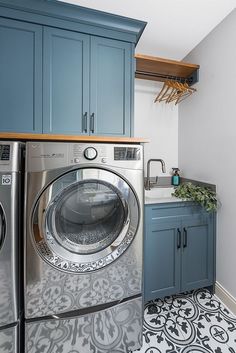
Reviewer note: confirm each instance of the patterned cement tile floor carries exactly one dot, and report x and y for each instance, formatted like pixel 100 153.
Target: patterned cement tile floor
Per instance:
pixel 195 322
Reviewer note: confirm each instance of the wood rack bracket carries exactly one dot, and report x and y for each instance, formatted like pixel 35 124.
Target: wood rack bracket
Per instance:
pixel 159 69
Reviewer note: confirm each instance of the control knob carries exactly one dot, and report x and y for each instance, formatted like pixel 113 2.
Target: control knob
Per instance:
pixel 90 153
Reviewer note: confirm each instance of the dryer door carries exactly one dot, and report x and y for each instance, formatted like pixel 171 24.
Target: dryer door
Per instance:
pixel 85 220
pixel 2 227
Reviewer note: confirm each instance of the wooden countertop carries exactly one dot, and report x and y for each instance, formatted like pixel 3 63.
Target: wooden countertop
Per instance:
pixel 68 138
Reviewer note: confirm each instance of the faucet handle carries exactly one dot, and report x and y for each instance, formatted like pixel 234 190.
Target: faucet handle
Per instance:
pixel 150 183
pixel 155 179
pixel 153 183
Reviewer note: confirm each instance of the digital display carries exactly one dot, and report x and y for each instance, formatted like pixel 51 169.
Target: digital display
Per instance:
pixel 4 152
pixel 126 153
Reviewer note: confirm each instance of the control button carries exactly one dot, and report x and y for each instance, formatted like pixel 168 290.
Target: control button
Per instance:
pixel 90 153
pixel 76 160
pixel 104 160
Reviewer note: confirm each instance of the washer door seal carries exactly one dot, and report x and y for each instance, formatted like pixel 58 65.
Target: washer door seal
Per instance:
pixel 85 220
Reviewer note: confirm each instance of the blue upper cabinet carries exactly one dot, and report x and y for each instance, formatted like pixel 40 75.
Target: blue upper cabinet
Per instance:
pixel 20 76
pixel 86 84
pixel 65 82
pixel 66 69
pixel 111 89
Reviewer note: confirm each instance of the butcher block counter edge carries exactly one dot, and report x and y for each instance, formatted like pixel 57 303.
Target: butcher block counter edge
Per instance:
pixel 81 138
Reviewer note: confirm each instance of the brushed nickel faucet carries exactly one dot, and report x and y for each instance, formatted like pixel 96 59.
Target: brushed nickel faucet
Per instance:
pixel 148 181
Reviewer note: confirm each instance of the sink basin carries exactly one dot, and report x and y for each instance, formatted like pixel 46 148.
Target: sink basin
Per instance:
pixel 159 195
pixel 159 192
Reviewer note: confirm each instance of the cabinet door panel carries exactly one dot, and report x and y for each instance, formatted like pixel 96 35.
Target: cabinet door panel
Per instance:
pixel 197 255
pixel 110 86
pixel 66 81
pixel 20 76
pixel 162 260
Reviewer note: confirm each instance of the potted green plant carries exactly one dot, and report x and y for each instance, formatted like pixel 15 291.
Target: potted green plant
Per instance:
pixel 200 194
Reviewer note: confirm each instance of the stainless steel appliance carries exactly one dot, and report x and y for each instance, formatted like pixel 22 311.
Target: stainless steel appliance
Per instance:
pixel 84 234
pixel 10 207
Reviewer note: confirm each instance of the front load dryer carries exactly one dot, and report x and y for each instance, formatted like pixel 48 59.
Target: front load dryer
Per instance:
pixel 11 156
pixel 83 247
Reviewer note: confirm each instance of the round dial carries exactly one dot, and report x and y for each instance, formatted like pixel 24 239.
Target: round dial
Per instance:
pixel 90 153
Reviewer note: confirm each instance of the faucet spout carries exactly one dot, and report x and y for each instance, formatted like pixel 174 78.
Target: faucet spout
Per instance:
pixel 163 167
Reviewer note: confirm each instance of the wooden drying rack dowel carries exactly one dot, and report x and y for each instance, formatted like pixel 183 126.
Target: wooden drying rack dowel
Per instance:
pixel 159 69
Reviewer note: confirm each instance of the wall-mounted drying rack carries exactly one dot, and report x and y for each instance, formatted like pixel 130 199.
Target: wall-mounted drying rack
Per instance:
pixel 159 69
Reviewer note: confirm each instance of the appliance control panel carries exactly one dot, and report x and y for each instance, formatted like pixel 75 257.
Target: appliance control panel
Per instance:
pixel 102 153
pixel 4 152
pixel 53 155
pixel 126 153
pixel 11 157
pixel 118 155
pixel 85 152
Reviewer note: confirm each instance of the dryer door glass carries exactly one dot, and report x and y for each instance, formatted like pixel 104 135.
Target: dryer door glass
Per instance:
pixel 85 220
pixel 2 226
pixel 87 217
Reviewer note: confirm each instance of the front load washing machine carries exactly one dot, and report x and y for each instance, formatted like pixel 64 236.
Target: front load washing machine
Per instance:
pixel 11 156
pixel 83 247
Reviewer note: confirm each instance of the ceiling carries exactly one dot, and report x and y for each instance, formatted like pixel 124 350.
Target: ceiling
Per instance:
pixel 174 27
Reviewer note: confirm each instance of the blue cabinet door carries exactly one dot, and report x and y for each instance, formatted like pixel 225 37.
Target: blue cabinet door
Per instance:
pixel 20 76
pixel 65 82
pixel 197 252
pixel 111 87
pixel 162 253
pixel 179 249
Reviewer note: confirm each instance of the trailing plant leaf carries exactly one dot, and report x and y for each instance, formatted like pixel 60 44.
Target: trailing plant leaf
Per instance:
pixel 200 194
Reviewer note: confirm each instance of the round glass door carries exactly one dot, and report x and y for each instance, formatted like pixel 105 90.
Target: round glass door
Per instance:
pixel 2 227
pixel 85 220
pixel 87 217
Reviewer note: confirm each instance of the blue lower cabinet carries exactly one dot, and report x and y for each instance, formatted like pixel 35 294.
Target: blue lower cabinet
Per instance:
pixel 20 76
pixel 179 249
pixel 161 260
pixel 197 252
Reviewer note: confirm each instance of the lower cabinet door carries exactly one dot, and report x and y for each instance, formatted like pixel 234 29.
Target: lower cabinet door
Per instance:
pixel 162 251
pixel 197 252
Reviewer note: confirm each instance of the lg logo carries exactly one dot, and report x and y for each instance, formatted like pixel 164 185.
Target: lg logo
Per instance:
pixel 6 179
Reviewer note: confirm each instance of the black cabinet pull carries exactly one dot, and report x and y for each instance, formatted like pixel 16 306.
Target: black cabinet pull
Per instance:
pixel 92 122
pixel 178 238
pixel 85 122
pixel 185 238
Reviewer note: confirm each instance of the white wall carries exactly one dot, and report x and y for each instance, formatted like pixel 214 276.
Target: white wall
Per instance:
pixel 159 123
pixel 207 136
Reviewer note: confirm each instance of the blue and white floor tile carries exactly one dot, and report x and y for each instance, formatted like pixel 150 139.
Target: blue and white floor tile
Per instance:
pixel 194 322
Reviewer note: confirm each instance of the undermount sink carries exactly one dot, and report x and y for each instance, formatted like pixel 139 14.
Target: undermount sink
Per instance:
pixel 159 192
pixel 158 195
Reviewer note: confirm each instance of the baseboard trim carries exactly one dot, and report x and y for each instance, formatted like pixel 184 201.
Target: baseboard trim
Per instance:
pixel 225 297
